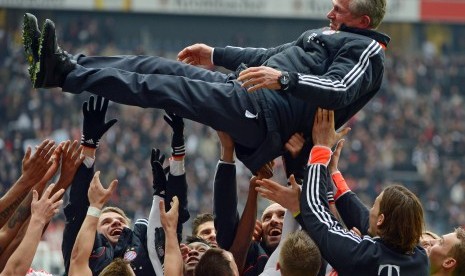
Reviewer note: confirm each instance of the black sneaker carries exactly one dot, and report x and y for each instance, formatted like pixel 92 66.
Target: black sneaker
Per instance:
pixel 31 37
pixel 54 63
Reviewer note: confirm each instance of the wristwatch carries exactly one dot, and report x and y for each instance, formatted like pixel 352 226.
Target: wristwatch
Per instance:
pixel 284 80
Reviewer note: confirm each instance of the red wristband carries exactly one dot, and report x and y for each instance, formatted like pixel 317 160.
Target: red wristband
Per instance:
pixel 320 155
pixel 340 183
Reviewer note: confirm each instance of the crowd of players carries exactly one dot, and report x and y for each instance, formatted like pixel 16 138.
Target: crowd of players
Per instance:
pixel 418 107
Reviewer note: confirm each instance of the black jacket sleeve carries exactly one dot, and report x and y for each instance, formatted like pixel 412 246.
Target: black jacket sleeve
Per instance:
pixel 231 57
pixel 337 245
pixel 76 210
pixel 353 212
pixel 226 216
pixel 177 186
pixel 349 77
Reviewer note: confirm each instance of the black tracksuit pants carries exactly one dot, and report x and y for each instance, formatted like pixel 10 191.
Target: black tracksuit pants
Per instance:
pixel 211 98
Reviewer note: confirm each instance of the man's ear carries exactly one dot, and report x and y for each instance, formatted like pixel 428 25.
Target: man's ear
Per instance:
pixel 380 220
pixel 365 21
pixel 449 263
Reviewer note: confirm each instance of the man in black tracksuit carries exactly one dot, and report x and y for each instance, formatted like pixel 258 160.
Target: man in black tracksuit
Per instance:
pixel 394 223
pixel 339 68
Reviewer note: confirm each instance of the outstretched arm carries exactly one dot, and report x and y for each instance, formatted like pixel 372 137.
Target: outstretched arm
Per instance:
pixel 43 210
pixel 82 249
pixel 351 210
pixel 177 182
pixel 321 225
pixel 155 233
pixel 173 257
pixel 246 227
pixel 225 212
pixel 93 128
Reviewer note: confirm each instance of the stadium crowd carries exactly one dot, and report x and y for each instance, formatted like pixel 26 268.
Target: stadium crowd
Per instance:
pixel 411 133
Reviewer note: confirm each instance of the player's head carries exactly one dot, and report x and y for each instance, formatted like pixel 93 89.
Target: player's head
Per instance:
pixel 299 256
pixel 197 247
pixel 272 225
pixel 364 14
pixel 427 237
pixel 397 217
pixel 111 223
pixel 204 227
pixel 215 262
pixel 118 267
pixel 447 254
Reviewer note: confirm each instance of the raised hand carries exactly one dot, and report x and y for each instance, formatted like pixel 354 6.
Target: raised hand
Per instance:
pixel 197 54
pixel 169 220
pixel 97 194
pixel 35 166
pixel 43 209
pixel 94 121
pixel 332 167
pixel 295 144
pixel 257 231
pixel 158 172
pixel 177 142
pixel 323 132
pixel 288 197
pixel 71 159
pixel 266 171
pixel 227 146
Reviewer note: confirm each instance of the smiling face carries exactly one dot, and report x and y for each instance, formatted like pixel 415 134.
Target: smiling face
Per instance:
pixel 196 251
pixel 341 14
pixel 207 232
pixel 111 225
pixel 272 225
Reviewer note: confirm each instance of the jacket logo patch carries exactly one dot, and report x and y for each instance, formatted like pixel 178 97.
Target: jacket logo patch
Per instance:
pixel 311 37
pixel 130 256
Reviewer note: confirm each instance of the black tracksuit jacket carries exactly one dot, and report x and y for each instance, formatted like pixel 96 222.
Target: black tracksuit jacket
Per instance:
pixel 346 252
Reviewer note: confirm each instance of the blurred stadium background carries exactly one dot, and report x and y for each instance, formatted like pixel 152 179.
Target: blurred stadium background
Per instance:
pixel 412 133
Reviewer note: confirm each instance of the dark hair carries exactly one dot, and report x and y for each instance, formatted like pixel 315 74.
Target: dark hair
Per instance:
pixel 192 239
pixel 299 255
pixel 458 252
pixel 199 220
pixel 117 267
pixel 214 263
pixel 403 218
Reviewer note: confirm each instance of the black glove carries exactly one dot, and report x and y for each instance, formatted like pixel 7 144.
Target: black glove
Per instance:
pixel 160 243
pixel 159 173
pixel 177 142
pixel 94 122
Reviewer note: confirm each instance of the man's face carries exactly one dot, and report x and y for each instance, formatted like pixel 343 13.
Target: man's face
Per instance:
pixel 439 250
pixel 111 225
pixel 272 225
pixel 375 217
pixel 196 251
pixel 207 232
pixel 340 14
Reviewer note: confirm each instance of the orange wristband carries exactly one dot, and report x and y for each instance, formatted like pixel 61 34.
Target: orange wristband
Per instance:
pixel 320 155
pixel 340 183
